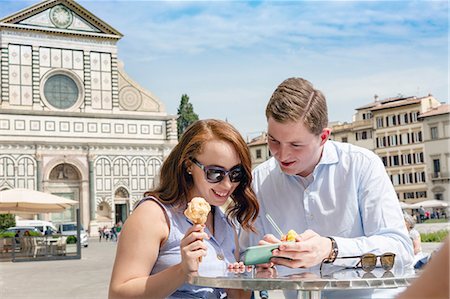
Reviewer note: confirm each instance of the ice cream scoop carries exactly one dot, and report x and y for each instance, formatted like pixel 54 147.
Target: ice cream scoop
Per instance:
pixel 197 210
pixel 290 236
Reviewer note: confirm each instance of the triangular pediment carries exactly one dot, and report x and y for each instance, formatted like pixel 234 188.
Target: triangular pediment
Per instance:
pixel 63 16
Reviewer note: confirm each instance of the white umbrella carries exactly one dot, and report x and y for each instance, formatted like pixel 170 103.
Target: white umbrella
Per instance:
pixel 432 203
pixel 405 205
pixel 32 201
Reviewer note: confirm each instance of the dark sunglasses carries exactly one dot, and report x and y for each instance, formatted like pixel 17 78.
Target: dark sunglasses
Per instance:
pixel 215 174
pixel 368 261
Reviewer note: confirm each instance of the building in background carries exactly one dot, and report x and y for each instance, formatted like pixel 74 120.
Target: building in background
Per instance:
pixel 259 151
pixel 437 150
pixel 398 136
pixel 72 122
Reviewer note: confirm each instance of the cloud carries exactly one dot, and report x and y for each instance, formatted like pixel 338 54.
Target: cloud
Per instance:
pixel 229 56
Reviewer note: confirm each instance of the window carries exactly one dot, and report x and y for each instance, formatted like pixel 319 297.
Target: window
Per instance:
pixel 436 166
pixel 395 179
pixel 419 157
pixel 379 122
pixel 344 139
pixel 395 161
pixel 258 154
pixel 61 91
pixel 405 118
pixel 434 132
pixel 421 194
pixel 407 195
pixel 404 138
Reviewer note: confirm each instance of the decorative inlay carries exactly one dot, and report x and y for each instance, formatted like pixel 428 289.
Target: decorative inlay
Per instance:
pixel 35 125
pixel 157 130
pixel 19 125
pixel 60 16
pixel 50 126
pixel 130 98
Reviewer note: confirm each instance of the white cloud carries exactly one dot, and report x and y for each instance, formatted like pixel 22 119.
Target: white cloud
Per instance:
pixel 229 56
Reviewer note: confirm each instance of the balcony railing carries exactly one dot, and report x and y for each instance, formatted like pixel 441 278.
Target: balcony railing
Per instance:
pixel 440 175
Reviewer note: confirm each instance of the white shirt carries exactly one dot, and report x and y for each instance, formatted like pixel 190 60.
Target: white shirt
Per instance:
pixel 349 198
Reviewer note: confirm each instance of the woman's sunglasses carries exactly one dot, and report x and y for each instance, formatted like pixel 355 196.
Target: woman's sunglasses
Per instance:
pixel 368 261
pixel 215 174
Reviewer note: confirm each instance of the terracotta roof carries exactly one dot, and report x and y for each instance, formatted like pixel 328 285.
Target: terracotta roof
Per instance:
pixel 382 103
pixel 397 103
pixel 261 139
pixel 441 109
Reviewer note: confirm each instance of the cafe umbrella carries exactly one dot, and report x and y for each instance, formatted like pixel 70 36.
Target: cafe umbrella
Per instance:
pixel 15 201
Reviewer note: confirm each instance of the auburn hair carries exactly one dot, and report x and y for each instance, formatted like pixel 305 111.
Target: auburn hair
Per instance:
pixel 175 183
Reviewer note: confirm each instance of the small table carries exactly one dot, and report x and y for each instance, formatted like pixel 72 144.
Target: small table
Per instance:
pixel 308 282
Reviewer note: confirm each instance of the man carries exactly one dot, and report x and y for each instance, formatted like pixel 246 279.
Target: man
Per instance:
pixel 336 195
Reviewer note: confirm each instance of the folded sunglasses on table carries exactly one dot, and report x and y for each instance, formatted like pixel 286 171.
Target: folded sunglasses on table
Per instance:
pixel 368 261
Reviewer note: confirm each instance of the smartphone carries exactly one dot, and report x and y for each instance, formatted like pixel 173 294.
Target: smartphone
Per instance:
pixel 261 254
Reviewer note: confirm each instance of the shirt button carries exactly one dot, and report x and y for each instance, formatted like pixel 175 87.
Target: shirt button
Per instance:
pixel 220 257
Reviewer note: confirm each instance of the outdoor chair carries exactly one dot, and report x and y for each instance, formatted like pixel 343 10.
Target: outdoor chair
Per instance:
pixel 61 245
pixel 37 247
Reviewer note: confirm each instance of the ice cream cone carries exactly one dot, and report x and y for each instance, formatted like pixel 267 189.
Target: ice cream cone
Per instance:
pixel 197 211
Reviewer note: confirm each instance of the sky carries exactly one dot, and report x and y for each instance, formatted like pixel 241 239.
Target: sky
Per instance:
pixel 229 56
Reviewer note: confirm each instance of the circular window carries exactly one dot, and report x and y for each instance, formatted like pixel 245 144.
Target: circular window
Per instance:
pixel 61 91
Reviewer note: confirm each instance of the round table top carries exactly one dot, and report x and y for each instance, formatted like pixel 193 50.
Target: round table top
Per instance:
pixel 303 279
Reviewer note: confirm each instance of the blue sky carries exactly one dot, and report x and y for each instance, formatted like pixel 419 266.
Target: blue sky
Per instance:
pixel 229 56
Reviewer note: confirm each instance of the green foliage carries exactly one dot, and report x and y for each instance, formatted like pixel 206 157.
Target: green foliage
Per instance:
pixel 35 234
pixel 7 235
pixel 186 114
pixel 438 236
pixel 441 220
pixel 7 220
pixel 71 240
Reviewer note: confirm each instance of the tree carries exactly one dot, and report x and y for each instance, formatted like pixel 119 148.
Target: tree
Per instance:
pixel 186 114
pixel 7 220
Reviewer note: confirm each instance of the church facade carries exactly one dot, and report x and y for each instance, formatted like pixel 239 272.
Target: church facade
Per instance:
pixel 72 122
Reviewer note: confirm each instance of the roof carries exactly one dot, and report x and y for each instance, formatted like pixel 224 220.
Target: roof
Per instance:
pixel 390 103
pixel 25 19
pixel 260 140
pixel 441 109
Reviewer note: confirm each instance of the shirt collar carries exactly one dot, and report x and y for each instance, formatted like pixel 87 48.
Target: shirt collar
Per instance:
pixel 329 154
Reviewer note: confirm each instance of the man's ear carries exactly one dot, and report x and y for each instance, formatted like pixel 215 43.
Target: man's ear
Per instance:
pixel 324 135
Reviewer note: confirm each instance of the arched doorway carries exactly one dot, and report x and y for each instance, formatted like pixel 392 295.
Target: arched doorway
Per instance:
pixel 122 204
pixel 64 181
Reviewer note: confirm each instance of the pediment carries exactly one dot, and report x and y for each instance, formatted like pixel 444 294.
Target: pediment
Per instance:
pixel 133 97
pixel 64 16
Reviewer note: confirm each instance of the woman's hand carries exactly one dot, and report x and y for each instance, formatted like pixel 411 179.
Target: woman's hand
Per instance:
pixel 238 267
pixel 192 247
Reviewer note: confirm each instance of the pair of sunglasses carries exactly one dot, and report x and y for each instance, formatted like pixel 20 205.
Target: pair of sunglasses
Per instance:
pixel 368 261
pixel 215 174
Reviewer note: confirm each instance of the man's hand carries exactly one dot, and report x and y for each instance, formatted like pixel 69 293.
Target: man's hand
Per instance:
pixel 309 249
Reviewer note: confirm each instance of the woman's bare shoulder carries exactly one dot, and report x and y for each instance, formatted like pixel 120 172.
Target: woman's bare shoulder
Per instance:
pixel 150 216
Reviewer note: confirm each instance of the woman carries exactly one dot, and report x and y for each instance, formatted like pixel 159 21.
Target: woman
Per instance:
pixel 158 246
pixel 420 258
pixel 413 233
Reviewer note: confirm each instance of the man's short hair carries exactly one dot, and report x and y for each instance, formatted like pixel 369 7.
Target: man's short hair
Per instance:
pixel 295 99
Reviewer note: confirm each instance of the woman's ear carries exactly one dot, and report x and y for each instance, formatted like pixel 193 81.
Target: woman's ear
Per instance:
pixel 188 166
